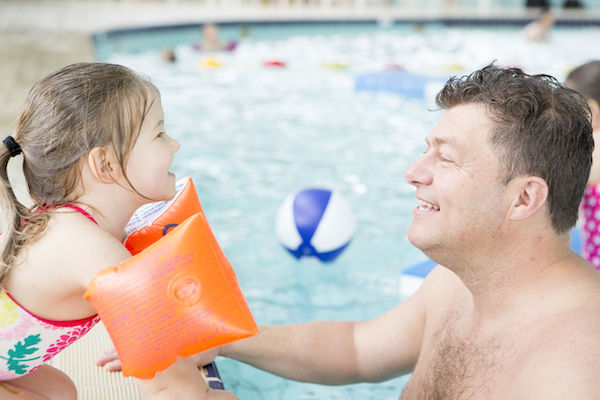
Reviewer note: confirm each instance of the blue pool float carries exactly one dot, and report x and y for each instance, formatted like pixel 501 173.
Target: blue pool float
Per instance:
pixel 400 82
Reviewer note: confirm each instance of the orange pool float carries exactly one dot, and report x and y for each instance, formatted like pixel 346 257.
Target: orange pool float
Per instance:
pixel 153 221
pixel 176 298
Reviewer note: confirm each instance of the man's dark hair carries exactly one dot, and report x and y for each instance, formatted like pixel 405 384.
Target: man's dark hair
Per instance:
pixel 540 128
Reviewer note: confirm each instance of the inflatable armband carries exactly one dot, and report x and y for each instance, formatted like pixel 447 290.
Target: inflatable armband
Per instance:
pixel 152 221
pixel 176 298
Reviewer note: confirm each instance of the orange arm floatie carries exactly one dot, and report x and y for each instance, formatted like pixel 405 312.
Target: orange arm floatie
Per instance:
pixel 152 221
pixel 176 298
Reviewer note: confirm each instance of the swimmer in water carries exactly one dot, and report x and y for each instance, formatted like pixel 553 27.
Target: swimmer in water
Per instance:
pixel 539 30
pixel 586 80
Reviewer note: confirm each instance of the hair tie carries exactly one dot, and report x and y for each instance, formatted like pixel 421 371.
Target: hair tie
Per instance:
pixel 12 146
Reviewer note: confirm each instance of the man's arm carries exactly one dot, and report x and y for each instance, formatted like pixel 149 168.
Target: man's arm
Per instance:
pixel 336 353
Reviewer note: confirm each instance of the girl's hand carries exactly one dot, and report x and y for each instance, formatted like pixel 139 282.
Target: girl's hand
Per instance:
pixel 109 360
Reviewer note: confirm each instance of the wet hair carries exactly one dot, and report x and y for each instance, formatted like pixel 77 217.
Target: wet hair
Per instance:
pixel 66 115
pixel 540 128
pixel 586 80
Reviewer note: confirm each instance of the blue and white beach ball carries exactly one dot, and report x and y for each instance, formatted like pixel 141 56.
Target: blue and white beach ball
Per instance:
pixel 315 223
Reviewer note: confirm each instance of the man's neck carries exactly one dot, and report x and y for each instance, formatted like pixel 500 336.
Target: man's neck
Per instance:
pixel 500 282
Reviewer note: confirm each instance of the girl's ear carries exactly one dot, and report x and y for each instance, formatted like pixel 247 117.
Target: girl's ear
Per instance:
pixel 532 192
pixel 100 164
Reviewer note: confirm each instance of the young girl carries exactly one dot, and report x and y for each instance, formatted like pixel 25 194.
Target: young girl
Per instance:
pixel 94 150
pixel 586 80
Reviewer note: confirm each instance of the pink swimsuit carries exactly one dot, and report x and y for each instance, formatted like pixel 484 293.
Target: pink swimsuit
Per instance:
pixel 28 341
pixel 591 224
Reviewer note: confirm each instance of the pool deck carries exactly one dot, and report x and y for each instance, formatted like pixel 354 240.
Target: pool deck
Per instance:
pixel 39 36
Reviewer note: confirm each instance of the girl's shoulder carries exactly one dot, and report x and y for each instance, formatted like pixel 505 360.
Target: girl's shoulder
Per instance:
pixel 75 246
pixel 55 270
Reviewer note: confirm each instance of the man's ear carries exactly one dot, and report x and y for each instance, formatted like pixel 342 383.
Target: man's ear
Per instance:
pixel 531 193
pixel 101 165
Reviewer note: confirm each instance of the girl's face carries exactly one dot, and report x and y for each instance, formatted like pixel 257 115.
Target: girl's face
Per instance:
pixel 152 156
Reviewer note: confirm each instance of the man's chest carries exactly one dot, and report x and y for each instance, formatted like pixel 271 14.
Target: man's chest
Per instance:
pixel 454 365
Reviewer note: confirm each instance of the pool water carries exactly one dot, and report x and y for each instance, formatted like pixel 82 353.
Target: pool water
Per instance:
pixel 251 135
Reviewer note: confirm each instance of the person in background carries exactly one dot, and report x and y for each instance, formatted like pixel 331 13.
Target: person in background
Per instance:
pixel 586 80
pixel 572 4
pixel 168 55
pixel 544 4
pixel 211 41
pixel 539 30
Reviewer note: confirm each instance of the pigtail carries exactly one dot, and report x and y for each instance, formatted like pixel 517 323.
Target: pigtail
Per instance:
pixel 18 225
pixel 10 223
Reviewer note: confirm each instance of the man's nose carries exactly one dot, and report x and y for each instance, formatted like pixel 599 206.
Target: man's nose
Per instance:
pixel 419 172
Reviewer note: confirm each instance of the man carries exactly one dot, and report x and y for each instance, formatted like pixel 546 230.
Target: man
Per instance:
pixel 513 314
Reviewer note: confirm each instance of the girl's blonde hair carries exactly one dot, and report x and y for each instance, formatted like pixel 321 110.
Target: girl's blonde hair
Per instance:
pixel 66 115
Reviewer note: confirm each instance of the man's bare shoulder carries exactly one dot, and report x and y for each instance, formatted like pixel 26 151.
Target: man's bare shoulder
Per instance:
pixel 564 362
pixel 440 293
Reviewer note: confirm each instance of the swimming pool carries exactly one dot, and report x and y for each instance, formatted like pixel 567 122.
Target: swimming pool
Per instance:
pixel 251 135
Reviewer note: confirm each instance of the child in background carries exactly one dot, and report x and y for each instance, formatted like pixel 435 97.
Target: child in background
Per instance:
pixel 94 150
pixel 211 42
pixel 586 80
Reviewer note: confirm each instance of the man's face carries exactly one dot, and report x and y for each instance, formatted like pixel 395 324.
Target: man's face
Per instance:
pixel 461 199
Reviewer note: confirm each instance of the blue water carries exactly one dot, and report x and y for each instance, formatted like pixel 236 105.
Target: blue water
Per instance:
pixel 251 135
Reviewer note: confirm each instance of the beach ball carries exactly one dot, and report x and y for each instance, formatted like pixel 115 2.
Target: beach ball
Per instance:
pixel 315 223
